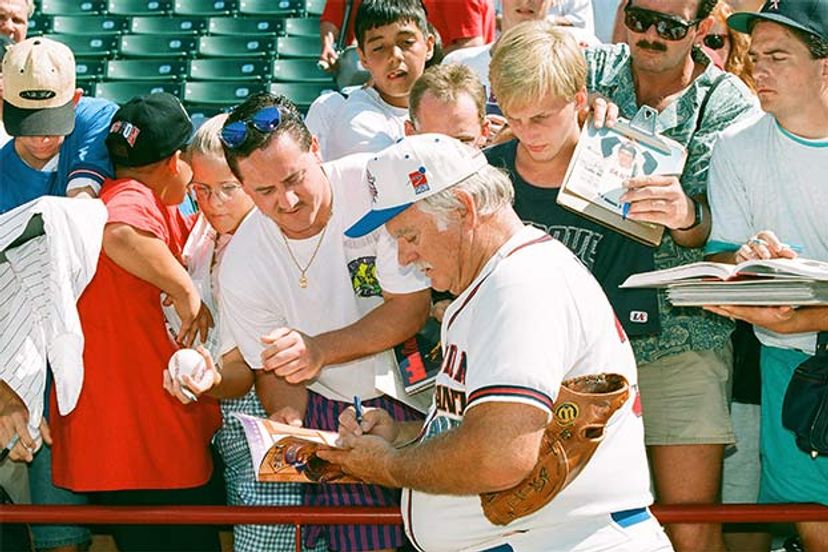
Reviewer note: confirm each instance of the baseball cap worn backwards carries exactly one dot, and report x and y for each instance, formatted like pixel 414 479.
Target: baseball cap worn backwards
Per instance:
pixel 414 168
pixel 147 129
pixel 810 16
pixel 39 86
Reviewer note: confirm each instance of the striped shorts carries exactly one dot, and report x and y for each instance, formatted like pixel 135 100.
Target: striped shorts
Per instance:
pixel 324 413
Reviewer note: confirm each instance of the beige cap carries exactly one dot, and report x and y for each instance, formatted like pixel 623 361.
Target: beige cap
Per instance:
pixel 39 85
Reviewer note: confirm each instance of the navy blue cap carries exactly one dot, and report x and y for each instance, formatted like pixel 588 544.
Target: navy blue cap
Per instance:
pixel 810 16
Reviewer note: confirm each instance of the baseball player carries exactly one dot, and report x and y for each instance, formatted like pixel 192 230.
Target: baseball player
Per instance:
pixel 527 317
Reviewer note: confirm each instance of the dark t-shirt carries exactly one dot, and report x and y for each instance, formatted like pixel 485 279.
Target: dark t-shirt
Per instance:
pixel 610 256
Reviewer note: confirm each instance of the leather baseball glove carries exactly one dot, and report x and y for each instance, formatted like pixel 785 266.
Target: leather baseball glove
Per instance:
pixel 581 411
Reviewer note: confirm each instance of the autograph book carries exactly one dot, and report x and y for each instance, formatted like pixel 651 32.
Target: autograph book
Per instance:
pixel 286 453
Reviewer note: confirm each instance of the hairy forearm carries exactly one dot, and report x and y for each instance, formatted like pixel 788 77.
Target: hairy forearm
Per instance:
pixel 695 237
pixel 406 433
pixel 236 377
pixel 391 323
pixel 275 393
pixel 147 257
pixel 496 451
pixel 807 319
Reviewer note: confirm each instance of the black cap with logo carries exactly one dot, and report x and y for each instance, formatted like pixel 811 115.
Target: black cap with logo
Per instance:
pixel 148 129
pixel 810 16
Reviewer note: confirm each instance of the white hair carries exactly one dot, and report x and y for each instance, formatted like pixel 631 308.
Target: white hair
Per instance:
pixel 489 187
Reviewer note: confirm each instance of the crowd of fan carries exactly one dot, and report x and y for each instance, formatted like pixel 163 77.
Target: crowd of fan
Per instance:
pixel 256 204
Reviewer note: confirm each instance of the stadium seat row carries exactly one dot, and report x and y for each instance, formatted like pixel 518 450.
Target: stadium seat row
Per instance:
pixel 282 8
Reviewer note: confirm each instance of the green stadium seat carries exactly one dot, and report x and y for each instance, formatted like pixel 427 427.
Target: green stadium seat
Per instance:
pixel 164 46
pixel 229 26
pixel 298 47
pixel 236 46
pixel 72 7
pixel 146 69
pixel 123 91
pixel 314 7
pixel 205 8
pixel 299 70
pixel 220 93
pixel 283 8
pixel 234 69
pixel 302 26
pixel 88 87
pixel 139 7
pixel 88 45
pixel 300 93
pixel 89 25
pixel 168 25
pixel 39 24
pixel 89 69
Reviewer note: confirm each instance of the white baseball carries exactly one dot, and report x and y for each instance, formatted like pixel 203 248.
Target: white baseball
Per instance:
pixel 190 362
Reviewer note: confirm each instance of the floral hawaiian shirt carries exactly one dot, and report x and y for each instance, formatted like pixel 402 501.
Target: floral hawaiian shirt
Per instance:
pixel 610 74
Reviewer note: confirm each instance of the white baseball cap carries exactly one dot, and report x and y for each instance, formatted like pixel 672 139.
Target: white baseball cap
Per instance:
pixel 39 86
pixel 414 168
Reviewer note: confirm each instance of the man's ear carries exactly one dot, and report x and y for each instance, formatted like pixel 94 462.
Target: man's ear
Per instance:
pixel 704 28
pixel 430 44
pixel 408 128
pixel 172 162
pixel 468 212
pixel 76 98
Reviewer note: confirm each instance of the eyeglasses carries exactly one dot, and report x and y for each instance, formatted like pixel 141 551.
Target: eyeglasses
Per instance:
pixel 715 41
pixel 668 27
pixel 266 120
pixel 224 193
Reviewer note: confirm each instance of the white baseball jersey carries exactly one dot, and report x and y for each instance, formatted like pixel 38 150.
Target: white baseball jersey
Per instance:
pixel 533 317
pixel 260 289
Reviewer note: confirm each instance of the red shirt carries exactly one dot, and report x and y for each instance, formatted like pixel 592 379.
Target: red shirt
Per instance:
pixel 453 19
pixel 127 432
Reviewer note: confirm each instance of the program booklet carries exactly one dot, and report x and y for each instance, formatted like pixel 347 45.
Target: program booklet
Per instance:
pixel 604 158
pixel 792 269
pixel 282 452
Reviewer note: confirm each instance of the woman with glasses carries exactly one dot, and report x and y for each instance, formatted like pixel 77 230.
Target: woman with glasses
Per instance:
pixel 728 49
pixel 223 207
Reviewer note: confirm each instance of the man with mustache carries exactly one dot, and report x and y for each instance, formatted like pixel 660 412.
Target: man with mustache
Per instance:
pixel 684 370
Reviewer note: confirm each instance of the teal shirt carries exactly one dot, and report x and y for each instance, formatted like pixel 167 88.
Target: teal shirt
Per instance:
pixel 610 74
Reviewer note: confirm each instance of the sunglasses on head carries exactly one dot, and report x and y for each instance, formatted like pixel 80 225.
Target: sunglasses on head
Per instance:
pixel 715 41
pixel 668 27
pixel 265 120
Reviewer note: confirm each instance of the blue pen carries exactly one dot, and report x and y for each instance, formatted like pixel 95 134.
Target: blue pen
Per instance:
pixel 358 409
pixel 625 210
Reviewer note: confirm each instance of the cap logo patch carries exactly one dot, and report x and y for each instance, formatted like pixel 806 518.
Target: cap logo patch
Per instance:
pixel 419 181
pixel 37 94
pixel 774 5
pixel 372 186
pixel 129 131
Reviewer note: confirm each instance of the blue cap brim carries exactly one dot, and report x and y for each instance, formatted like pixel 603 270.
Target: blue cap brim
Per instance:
pixel 373 220
pixel 743 22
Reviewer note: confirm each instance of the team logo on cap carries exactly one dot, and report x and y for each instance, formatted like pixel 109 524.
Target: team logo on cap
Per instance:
pixel 774 5
pixel 129 131
pixel 372 186
pixel 419 180
pixel 37 94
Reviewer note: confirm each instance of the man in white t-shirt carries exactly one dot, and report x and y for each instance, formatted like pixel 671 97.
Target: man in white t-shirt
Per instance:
pixel 515 12
pixel 528 315
pixel 767 198
pixel 304 304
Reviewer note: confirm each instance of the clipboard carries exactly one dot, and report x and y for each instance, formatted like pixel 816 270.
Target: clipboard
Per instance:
pixel 605 157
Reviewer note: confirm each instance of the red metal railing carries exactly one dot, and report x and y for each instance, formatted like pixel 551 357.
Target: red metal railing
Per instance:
pixel 300 515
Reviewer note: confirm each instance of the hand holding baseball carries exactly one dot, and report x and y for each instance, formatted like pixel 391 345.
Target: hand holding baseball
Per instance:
pixel 190 373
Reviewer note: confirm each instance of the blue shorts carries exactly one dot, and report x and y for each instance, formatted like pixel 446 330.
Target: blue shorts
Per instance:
pixel 323 413
pixel 788 474
pixel 43 491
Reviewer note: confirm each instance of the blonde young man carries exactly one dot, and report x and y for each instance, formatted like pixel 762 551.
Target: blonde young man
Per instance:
pixel 450 100
pixel 539 75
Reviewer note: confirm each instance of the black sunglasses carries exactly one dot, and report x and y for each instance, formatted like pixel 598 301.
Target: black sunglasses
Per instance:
pixel 715 41
pixel 668 27
pixel 266 120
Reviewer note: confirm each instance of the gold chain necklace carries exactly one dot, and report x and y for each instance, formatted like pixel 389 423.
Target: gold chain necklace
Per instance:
pixel 303 279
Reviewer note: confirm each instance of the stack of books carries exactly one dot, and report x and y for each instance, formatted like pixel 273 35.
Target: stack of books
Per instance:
pixel 768 282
